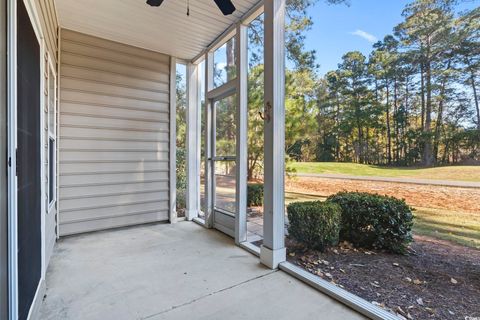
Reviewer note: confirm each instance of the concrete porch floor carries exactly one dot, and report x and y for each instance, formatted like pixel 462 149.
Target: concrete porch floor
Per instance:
pixel 179 271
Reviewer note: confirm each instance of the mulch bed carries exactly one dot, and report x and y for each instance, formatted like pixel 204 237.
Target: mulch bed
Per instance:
pixel 436 280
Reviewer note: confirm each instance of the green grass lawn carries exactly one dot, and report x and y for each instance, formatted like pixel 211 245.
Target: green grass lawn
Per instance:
pixel 459 227
pixel 459 173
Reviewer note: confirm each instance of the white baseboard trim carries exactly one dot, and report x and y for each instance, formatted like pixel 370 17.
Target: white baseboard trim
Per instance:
pixel 34 313
pixel 253 249
pixel 200 221
pixel 356 303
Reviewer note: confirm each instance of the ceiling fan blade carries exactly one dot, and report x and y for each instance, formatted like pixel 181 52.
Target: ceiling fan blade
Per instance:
pixel 154 3
pixel 226 6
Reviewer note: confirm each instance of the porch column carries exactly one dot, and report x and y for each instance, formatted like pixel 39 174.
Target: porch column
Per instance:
pixel 208 142
pixel 273 249
pixel 193 131
pixel 173 140
pixel 242 116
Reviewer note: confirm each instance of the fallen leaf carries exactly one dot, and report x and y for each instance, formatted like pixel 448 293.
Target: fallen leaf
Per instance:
pixel 430 310
pixel 357 265
pixel 395 264
pixel 420 301
pixel 342 271
pixel 292 254
pixel 453 281
pixel 417 282
pixel 408 279
pixel 329 275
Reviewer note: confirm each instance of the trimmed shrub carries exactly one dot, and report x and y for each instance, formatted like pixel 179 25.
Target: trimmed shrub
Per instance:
pixel 254 194
pixel 181 199
pixel 316 224
pixel 375 221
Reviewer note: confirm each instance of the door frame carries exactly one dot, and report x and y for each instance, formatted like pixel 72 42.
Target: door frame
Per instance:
pixel 238 86
pixel 228 91
pixel 213 95
pixel 12 145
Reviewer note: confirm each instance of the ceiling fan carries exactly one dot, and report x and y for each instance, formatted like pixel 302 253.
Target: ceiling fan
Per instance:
pixel 226 6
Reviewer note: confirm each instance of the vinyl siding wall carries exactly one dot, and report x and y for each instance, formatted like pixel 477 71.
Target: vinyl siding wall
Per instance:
pixel 114 134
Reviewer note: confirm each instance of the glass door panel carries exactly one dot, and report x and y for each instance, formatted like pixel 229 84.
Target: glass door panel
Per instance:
pixel 225 186
pixel 224 155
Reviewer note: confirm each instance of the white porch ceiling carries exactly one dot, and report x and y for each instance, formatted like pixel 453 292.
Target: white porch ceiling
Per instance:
pixel 166 29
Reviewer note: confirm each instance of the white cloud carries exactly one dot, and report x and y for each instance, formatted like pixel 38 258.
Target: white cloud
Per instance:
pixel 365 35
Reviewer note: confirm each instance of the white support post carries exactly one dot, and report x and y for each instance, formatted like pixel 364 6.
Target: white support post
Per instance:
pixel 193 130
pixel 242 116
pixel 173 140
pixel 208 142
pixel 199 136
pixel 273 249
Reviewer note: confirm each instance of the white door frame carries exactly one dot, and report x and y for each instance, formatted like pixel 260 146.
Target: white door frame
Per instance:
pixel 12 152
pixel 227 90
pixel 12 160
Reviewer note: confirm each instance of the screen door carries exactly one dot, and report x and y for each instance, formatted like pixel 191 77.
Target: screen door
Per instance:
pixel 224 163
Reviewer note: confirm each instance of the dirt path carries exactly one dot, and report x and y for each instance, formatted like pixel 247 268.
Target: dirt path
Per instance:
pixel 431 182
pixel 439 197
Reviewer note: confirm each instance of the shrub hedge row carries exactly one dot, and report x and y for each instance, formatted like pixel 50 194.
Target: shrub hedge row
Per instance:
pixel 366 220
pixel 254 194
pixel 314 223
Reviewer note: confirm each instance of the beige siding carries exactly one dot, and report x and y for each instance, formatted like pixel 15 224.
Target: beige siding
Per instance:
pixel 114 134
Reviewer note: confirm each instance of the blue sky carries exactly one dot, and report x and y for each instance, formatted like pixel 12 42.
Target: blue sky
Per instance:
pixel 338 29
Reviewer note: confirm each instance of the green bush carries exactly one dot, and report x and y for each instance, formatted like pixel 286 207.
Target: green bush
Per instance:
pixel 314 223
pixel 375 221
pixel 254 194
pixel 181 199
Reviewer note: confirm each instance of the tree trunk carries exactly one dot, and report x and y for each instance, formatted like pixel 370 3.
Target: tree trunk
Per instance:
pixel 231 70
pixel 427 148
pixel 337 142
pixel 475 96
pixel 422 89
pixel 395 118
pixel 438 125
pixel 389 138
pixel 406 124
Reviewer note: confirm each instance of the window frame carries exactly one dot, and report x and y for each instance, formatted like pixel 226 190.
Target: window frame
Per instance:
pixel 51 135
